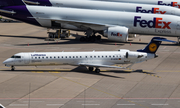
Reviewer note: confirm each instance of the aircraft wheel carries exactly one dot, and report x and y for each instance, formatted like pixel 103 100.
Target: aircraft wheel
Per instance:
pixel 98 37
pixel 93 39
pixel 91 68
pixel 82 39
pixel 12 68
pixel 97 70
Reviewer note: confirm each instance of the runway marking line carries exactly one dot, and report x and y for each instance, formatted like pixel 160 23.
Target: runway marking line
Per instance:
pixel 126 104
pixel 33 101
pixel 54 104
pixel 93 98
pixel 18 105
pixel 53 72
pixel 37 71
pixel 159 104
pixel 90 104
pixel 153 75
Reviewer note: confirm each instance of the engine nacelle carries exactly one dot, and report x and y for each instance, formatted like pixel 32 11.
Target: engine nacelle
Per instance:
pixel 131 55
pixel 117 33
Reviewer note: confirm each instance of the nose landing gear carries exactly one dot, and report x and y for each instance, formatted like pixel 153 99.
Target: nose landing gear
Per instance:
pixel 12 68
pixel 97 70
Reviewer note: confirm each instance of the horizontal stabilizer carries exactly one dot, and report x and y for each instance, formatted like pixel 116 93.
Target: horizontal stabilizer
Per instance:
pixel 165 40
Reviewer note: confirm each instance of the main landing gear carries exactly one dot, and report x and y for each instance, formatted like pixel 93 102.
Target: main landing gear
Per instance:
pixel 96 70
pixel 90 36
pixel 178 38
pixel 12 68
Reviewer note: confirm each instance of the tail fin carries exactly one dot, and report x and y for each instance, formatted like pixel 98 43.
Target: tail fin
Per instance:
pixel 4 3
pixel 154 44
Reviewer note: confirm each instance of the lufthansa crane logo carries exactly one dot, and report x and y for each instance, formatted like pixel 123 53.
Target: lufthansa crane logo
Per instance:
pixel 152 47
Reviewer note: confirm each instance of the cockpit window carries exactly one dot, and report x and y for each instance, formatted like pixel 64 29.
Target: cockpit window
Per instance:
pixel 16 56
pixel 13 57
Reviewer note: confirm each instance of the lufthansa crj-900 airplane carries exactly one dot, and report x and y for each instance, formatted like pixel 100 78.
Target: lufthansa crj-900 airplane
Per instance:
pixel 90 59
pixel 112 24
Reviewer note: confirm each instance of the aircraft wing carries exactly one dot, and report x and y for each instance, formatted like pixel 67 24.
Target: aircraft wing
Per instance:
pixel 79 24
pixel 99 65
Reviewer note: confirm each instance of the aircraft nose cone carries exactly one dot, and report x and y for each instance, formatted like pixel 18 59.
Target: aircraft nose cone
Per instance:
pixel 6 61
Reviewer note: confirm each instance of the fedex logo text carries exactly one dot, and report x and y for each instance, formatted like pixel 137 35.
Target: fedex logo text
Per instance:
pixel 155 23
pixel 115 34
pixel 173 4
pixel 153 10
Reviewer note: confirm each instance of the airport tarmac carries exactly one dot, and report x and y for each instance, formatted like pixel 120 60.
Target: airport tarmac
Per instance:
pixel 151 84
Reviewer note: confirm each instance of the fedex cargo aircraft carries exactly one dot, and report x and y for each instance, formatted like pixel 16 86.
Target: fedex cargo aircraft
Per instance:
pixel 112 24
pixel 113 6
pixel 173 3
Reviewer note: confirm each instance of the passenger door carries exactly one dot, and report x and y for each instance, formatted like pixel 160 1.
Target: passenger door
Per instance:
pixel 26 58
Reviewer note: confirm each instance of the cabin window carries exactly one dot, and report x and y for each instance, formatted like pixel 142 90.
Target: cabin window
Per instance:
pixel 43 57
pixel 91 56
pixel 35 57
pixel 58 57
pixel 109 56
pixel 69 56
pixel 47 57
pixel 102 56
pixel 106 56
pixel 80 56
pixel 98 56
pixel 113 56
pixel 54 57
pixel 94 56
pixel 86 56
pixel 50 57
pixel 66 56
pixel 76 56
pixel 73 57
pixel 62 56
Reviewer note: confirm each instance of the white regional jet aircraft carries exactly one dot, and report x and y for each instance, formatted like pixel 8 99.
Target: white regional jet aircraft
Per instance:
pixel 113 6
pixel 89 59
pixel 173 3
pixel 112 24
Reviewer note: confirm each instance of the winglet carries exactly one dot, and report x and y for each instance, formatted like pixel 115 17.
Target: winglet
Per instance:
pixel 154 45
